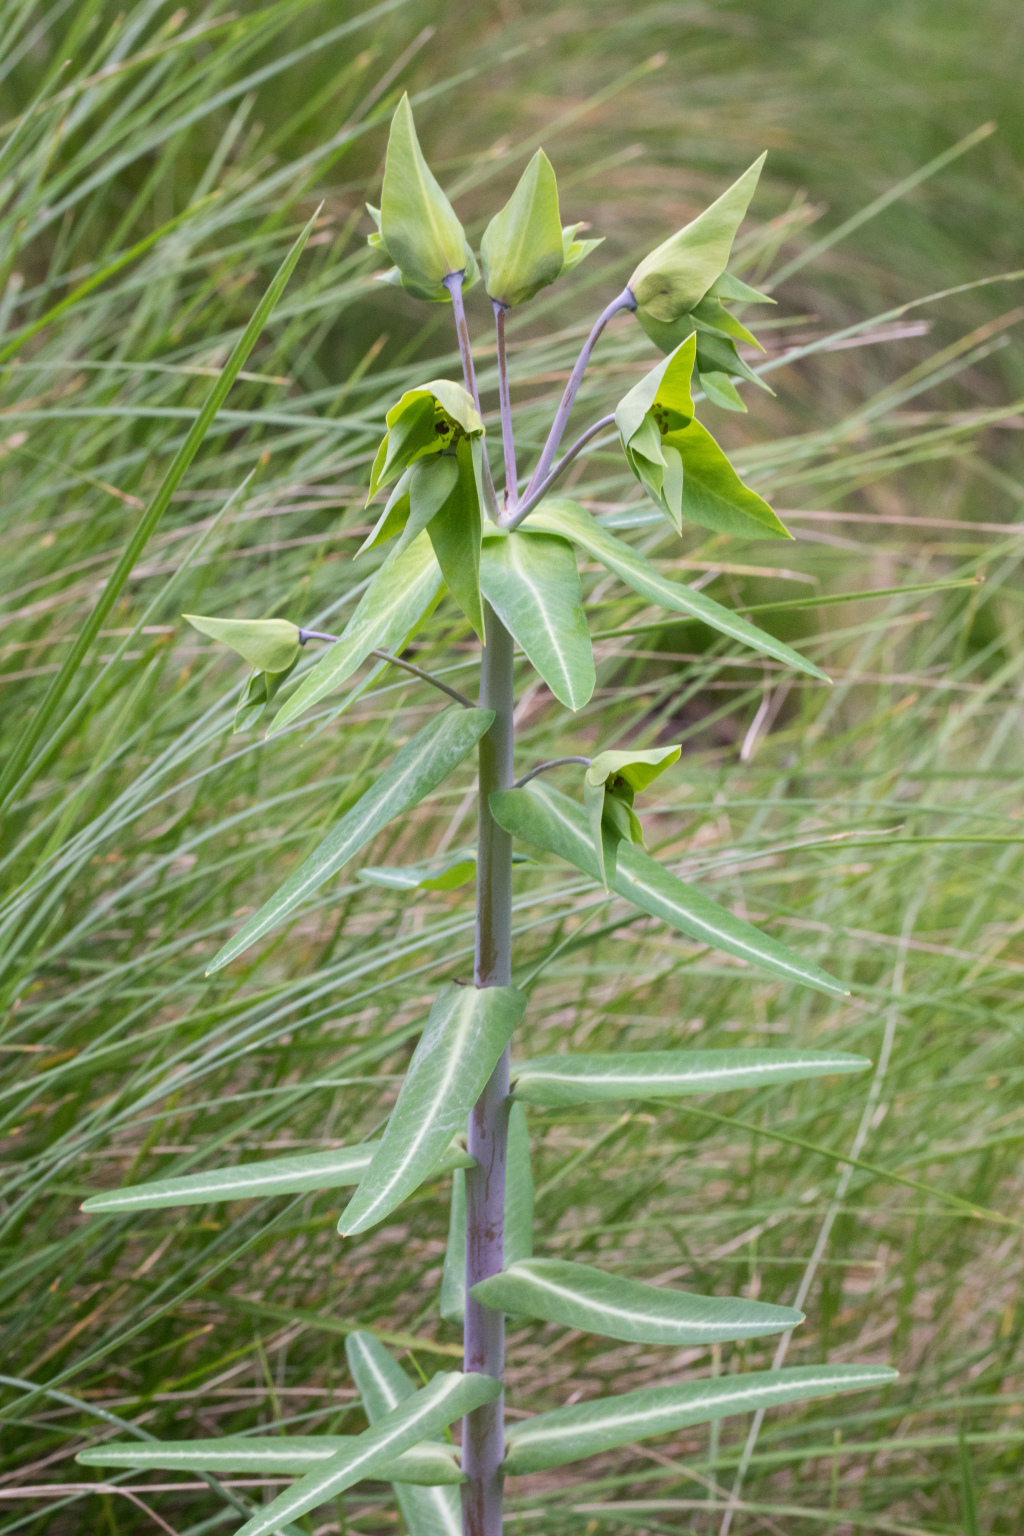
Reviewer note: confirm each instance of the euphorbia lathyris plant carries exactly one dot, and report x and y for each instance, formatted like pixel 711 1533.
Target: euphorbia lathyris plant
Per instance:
pixel 509 562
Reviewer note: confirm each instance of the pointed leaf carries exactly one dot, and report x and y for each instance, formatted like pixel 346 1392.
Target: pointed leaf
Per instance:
pixel 559 1081
pixel 531 582
pixel 421 765
pixel 519 1196
pixel 466 1032
pixel 420 493
pixel 733 288
pixel 426 421
pixel 569 1434
pixel 394 602
pixel 253 1181
pixel 574 250
pixel 721 391
pixel 448 1397
pixel 549 820
pixel 669 281
pixel 713 493
pixel 638 768
pixel 269 645
pixel 455 532
pixel 418 226
pixel 579 1296
pixel 383 1385
pixel 664 392
pixel 430 1463
pixel 572 522
pixel 521 250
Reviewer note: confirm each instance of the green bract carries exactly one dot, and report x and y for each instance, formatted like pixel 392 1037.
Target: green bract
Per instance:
pixel 678 462
pixel 425 421
pixel 670 281
pixel 524 247
pixel 270 646
pixel 416 224
pixel 609 786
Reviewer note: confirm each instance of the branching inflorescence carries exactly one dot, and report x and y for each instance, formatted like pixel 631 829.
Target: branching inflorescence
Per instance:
pixel 509 563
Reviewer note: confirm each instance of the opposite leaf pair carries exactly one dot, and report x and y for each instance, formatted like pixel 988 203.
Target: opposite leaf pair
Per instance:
pixel 609 787
pixel 524 247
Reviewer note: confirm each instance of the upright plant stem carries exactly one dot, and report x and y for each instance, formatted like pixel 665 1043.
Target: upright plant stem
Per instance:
pixel 625 300
pixel 483 1430
pixel 507 438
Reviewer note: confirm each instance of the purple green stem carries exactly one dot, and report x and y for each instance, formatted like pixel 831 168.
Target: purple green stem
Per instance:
pixel 508 440
pixel 625 300
pixel 453 282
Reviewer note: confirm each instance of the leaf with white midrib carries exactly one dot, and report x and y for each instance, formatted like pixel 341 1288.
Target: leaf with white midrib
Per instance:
pixel 252 1181
pixel 532 583
pixel 567 518
pixel 541 816
pixel 447 1398
pixel 421 765
pixel 466 1032
pixel 585 1079
pixel 580 1296
pixel 428 1464
pixel 569 1434
pixel 384 1384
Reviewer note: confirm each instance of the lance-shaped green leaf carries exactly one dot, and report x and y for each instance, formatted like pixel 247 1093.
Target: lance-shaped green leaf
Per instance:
pixel 429 1464
pixel 455 532
pixel 586 1429
pixel 466 1032
pixel 446 1398
pixel 254 1181
pixel 670 281
pixel 519 1196
pixel 574 251
pixel 426 421
pixel 554 1082
pixel 531 582
pixel 268 645
pixel 522 249
pixel 383 1385
pixel 421 493
pixel 540 815
pixel 714 496
pixel 390 609
pixel 610 783
pixel 419 229
pixel 658 405
pixel 573 522
pixel 421 765
pixel 580 1296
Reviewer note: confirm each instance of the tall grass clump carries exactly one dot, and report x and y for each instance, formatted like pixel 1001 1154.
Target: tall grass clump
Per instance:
pixel 156 190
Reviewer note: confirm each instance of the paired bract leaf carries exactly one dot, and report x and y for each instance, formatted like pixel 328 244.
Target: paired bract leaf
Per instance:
pixel 556 1082
pixel 431 1463
pixel 388 612
pixel 446 1398
pixel 421 493
pixel 579 1296
pixel 254 1181
pixel 609 786
pixel 466 1032
pixel 269 645
pixel 541 816
pixel 522 249
pixel 671 280
pixel 678 462
pixel 531 581
pixel 519 1195
pixel 259 691
pixel 383 1385
pixel 455 532
pixel 574 251
pixel 586 1429
pixel 427 420
pixel 421 765
pixel 567 518
pixel 417 225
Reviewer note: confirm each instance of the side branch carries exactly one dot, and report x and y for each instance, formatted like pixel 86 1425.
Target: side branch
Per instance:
pixel 625 300
pixel 453 282
pixel 397 661
pixel 535 497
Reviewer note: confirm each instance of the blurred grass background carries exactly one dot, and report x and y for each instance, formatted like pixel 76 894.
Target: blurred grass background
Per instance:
pixel 875 826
